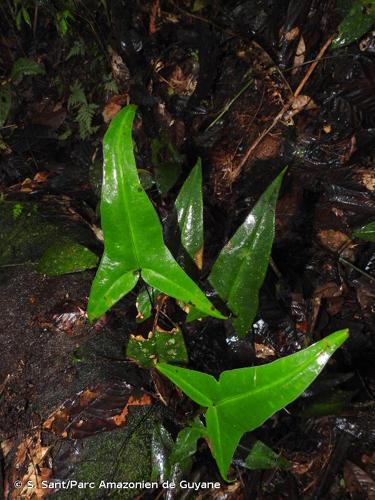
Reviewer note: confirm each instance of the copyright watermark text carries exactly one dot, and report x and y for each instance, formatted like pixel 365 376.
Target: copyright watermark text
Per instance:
pixel 118 485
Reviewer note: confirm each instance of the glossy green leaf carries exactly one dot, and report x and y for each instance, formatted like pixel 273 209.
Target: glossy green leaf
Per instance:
pixel 262 456
pixel 194 314
pixel 189 206
pixel 366 232
pixel 240 269
pixel 145 301
pixel 160 346
pixel 167 164
pixel 180 459
pixel 25 67
pixel 172 460
pixel 161 445
pixel 242 399
pixel 5 103
pixel 359 20
pixel 66 256
pixel 133 238
pixel 145 178
pixel 26 16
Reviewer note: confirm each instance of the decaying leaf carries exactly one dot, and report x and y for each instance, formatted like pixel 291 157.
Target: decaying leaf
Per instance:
pixel 95 410
pixel 159 346
pixel 358 482
pixel 30 468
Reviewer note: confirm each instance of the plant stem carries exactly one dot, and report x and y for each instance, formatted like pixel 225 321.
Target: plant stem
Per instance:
pixel 349 264
pixel 230 103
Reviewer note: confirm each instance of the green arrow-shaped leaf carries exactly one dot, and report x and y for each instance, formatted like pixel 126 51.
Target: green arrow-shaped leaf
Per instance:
pixel 189 205
pixel 133 239
pixel 244 398
pixel 239 271
pixel 366 232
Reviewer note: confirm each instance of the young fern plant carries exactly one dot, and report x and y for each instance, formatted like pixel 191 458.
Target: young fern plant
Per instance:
pixel 241 399
pixel 133 237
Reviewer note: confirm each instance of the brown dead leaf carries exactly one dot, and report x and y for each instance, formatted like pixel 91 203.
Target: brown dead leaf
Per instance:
pixel 367 178
pixel 113 106
pixel 95 410
pixel 262 351
pixel 233 491
pixel 299 57
pixel 329 290
pixel 333 240
pixel 155 13
pixel 298 104
pixel 292 34
pixel 358 482
pixel 30 468
pixel 6 446
pixel 368 459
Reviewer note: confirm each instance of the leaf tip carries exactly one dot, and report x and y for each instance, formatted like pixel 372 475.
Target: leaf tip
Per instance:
pixel 336 339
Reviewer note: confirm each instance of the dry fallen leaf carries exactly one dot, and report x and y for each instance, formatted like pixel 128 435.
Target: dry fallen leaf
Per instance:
pixel 299 57
pixel 29 469
pixel 95 410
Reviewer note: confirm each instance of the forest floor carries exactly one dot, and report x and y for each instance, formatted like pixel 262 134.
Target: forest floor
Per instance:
pixel 228 82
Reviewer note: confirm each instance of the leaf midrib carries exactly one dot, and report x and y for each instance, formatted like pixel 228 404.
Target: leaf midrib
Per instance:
pixel 278 381
pixel 189 197
pixel 125 200
pixel 242 264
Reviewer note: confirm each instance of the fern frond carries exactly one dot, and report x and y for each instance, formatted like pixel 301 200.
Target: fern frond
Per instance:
pixel 78 49
pixel 85 115
pixel 77 96
pixel 110 84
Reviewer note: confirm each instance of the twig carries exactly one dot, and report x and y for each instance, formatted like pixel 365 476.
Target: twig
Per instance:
pixel 349 264
pixel 4 384
pixel 230 103
pixel 312 67
pixel 285 108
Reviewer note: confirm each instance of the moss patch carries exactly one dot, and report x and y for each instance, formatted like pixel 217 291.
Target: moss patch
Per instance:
pixel 119 456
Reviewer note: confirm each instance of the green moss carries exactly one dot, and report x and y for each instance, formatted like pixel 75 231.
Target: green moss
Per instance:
pixel 119 456
pixel 28 229
pixel 24 234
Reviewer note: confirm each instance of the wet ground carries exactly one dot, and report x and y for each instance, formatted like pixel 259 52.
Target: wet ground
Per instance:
pixel 210 79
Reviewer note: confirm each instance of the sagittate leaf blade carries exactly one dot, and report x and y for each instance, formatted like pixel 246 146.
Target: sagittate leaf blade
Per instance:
pixel 200 387
pixel 240 269
pixel 189 206
pixel 366 232
pixel 246 397
pixel 133 239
